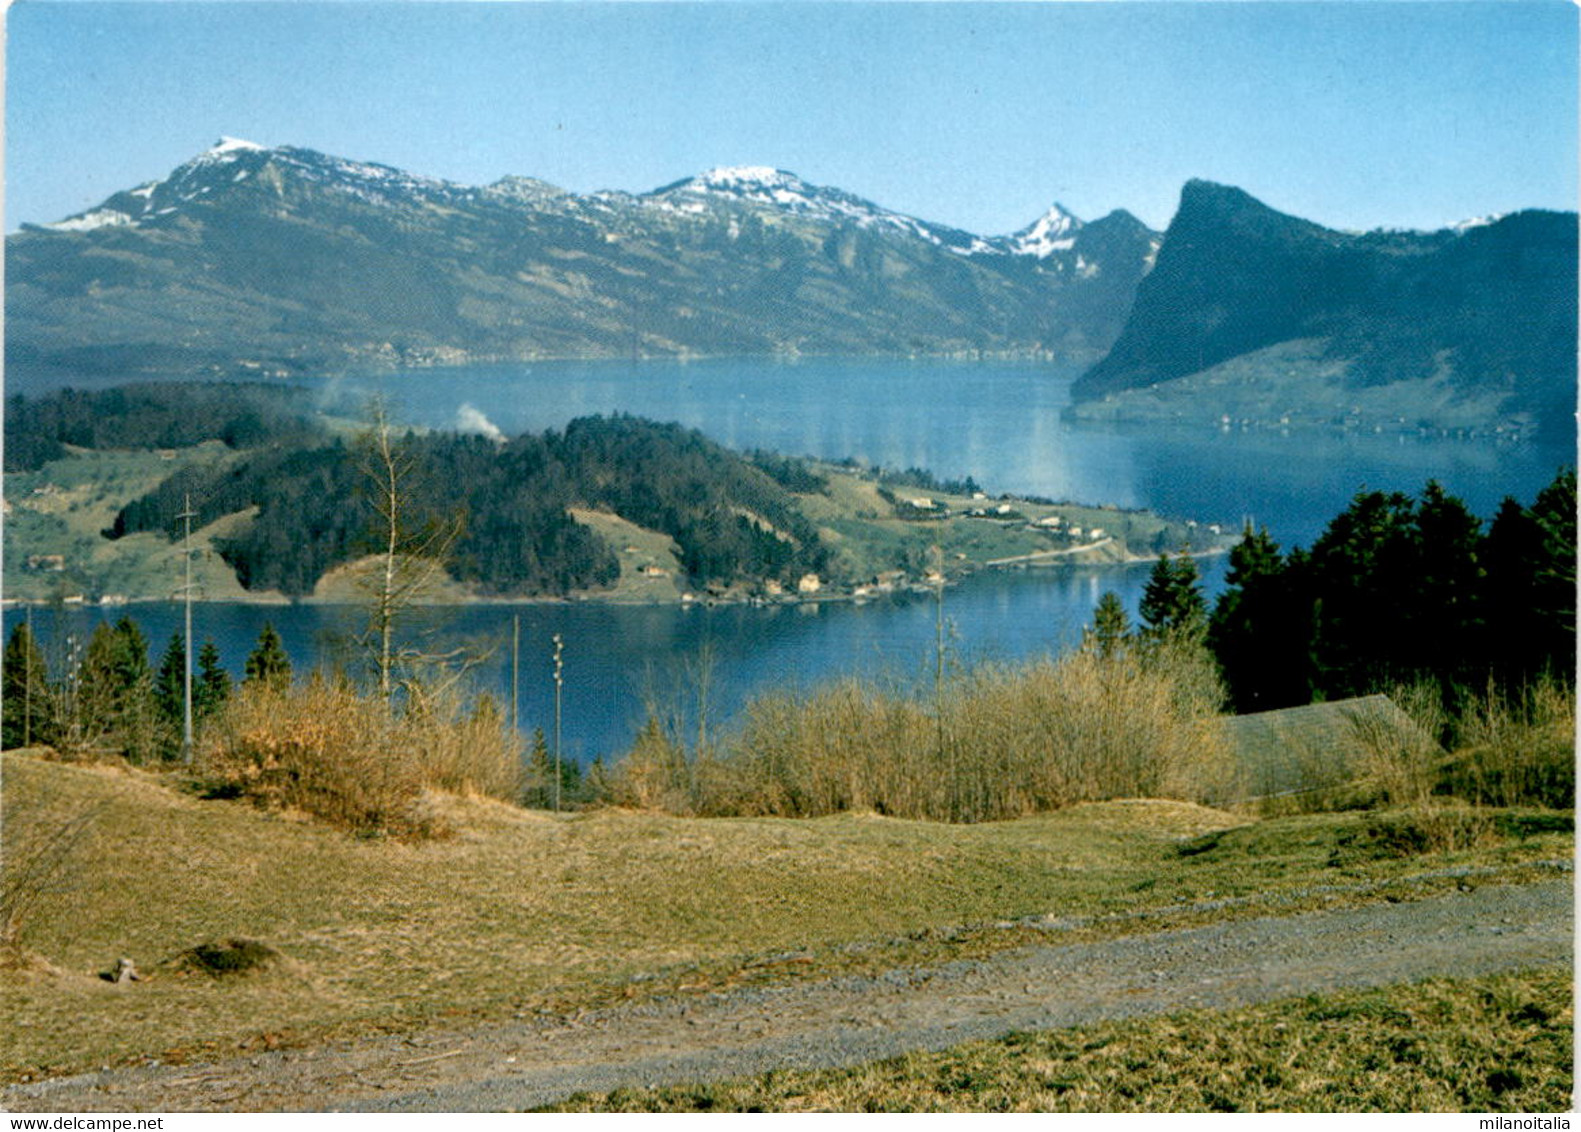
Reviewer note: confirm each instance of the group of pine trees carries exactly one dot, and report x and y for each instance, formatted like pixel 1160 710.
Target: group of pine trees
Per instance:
pixel 1397 590
pixel 155 415
pixel 106 697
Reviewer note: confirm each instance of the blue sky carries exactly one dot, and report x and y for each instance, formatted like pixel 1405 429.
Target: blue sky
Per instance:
pixel 1354 114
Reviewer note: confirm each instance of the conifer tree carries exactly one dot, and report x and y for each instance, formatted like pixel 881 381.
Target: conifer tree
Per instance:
pixel 212 687
pixel 268 663
pixel 1172 600
pixel 24 700
pixel 1261 628
pixel 540 772
pixel 115 702
pixel 169 695
pixel 596 786
pixel 1555 595
pixel 1110 625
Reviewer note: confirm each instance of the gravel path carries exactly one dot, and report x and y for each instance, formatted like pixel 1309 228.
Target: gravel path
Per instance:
pixel 849 1020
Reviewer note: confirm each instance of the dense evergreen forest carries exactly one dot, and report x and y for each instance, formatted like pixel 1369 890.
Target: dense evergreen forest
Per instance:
pixel 38 429
pixel 731 519
pixel 1398 590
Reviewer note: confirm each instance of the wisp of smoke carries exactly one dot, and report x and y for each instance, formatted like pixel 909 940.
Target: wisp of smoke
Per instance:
pixel 470 419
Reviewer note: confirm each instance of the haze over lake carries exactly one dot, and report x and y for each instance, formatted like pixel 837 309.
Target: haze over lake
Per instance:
pixel 997 421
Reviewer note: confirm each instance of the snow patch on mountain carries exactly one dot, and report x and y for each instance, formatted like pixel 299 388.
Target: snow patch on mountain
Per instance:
pixel 233 145
pixel 782 190
pixel 231 161
pixel 1478 222
pixel 88 221
pixel 731 176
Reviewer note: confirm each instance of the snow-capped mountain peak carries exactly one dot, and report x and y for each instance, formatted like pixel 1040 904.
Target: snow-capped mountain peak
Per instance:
pixel 1477 222
pixel 231 162
pixel 233 145
pixel 758 184
pixel 738 176
pixel 784 191
pixel 1054 231
pixel 233 168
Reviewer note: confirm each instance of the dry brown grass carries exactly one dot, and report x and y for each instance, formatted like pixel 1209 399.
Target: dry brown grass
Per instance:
pixel 1516 749
pixel 42 855
pixel 995 743
pixel 521 911
pixel 1402 755
pixel 1489 1044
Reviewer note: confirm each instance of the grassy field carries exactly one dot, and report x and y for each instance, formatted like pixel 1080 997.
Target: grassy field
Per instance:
pixel 868 538
pixel 519 912
pixel 639 550
pixel 62 508
pixel 1498 1043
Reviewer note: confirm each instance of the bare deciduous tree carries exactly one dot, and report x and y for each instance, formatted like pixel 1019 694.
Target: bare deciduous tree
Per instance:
pixel 412 549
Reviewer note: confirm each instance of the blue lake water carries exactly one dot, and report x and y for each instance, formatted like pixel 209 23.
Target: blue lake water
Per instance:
pixel 999 422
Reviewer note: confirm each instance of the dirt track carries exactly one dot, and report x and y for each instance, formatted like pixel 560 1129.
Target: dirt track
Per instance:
pixel 849 1020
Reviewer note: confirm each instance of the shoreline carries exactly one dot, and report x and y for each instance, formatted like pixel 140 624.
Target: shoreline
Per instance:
pixel 1042 560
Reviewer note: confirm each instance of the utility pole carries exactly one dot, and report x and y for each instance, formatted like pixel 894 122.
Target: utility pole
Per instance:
pixel 516 649
pixel 945 747
pixel 186 660
pixel 559 680
pixel 27 687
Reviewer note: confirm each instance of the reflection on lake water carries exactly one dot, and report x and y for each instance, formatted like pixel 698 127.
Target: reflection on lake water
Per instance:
pixel 997 421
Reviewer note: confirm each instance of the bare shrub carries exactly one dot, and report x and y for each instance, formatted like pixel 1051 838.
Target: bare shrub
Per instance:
pixel 654 775
pixel 461 748
pixel 1134 723
pixel 993 743
pixel 319 748
pixel 325 749
pixel 847 746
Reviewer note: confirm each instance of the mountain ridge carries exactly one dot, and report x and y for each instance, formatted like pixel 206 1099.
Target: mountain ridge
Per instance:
pixel 1483 313
pixel 249 259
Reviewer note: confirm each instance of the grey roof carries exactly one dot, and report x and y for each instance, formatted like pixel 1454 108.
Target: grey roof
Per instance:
pixel 1309 748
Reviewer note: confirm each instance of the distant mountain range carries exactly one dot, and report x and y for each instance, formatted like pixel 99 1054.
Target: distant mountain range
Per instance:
pixel 1264 319
pixel 252 261
pixel 248 259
